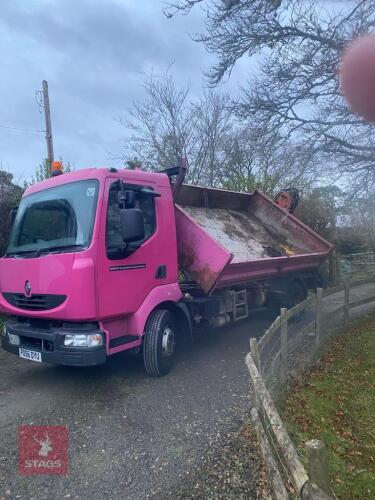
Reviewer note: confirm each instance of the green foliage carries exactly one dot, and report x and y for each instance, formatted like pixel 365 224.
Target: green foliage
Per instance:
pixel 360 214
pixel 249 183
pixel 337 405
pixel 43 171
pixel 351 240
pixel 318 209
pixel 10 196
pixel 133 164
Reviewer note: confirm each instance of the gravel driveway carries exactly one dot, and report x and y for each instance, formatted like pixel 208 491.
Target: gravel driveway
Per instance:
pixel 131 436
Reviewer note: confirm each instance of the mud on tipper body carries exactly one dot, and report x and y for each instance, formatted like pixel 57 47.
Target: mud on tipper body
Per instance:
pixel 103 260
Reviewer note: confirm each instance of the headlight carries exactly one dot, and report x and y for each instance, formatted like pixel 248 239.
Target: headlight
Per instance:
pixel 14 339
pixel 79 340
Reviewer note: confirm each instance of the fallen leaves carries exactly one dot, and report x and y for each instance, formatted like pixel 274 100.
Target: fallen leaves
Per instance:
pixel 337 404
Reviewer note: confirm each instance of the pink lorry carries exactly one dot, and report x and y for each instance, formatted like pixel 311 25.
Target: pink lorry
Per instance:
pixel 103 260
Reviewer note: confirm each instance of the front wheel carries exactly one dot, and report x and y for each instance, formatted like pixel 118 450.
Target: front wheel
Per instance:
pixel 159 344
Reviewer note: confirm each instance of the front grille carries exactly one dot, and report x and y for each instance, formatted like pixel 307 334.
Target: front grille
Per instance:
pixel 31 342
pixel 41 302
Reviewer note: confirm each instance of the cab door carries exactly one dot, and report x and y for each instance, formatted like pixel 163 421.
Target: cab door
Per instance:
pixel 127 273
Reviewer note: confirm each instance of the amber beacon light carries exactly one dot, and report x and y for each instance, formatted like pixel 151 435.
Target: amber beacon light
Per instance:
pixel 56 168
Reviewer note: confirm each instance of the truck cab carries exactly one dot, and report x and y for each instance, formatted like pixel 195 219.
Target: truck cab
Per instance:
pixel 75 291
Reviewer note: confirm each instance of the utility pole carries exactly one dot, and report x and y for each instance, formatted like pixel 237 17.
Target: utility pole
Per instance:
pixel 47 115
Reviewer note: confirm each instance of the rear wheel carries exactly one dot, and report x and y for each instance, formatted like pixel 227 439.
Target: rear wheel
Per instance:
pixel 290 293
pixel 296 294
pixel 159 343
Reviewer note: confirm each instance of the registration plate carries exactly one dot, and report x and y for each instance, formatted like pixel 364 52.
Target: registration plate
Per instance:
pixel 31 355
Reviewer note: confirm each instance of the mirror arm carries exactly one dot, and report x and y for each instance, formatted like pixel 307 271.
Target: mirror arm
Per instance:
pixel 122 197
pixel 150 192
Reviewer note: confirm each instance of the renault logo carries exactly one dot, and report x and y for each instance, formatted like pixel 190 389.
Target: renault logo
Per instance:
pixel 27 288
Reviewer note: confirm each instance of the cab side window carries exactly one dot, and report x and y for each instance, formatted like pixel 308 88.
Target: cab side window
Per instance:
pixel 115 246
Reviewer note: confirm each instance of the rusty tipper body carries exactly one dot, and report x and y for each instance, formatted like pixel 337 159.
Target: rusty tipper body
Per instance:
pixel 104 260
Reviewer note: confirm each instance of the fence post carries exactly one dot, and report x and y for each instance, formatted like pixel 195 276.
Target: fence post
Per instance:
pixel 274 475
pixel 346 303
pixel 318 320
pixel 283 345
pixel 332 266
pixel 254 350
pixel 317 465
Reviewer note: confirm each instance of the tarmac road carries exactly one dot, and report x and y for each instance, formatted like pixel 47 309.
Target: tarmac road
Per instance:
pixel 130 436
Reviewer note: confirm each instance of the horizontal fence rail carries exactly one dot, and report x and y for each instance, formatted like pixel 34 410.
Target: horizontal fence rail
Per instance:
pixel 287 347
pixel 305 488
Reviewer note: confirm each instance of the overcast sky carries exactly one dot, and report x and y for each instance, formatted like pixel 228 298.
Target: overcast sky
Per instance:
pixel 93 54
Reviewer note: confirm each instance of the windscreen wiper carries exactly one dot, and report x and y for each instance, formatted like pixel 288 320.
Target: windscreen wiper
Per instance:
pixel 46 250
pixel 59 249
pixel 24 252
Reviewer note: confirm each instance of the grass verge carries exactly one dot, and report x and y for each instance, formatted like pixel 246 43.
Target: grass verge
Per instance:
pixel 337 405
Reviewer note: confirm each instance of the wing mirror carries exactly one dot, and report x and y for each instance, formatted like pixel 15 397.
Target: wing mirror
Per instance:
pixel 126 198
pixel 132 224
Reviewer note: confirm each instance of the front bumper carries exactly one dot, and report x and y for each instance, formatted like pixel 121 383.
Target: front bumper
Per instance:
pixel 49 341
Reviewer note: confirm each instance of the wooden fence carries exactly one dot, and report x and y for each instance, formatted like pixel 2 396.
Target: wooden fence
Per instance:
pixel 276 446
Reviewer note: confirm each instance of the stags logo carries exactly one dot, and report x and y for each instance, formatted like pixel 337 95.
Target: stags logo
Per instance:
pixel 43 449
pixel 45 446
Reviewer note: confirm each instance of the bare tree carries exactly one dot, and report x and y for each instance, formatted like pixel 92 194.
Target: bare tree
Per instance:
pixel 295 92
pixel 214 125
pixel 160 125
pixel 256 160
pixel 166 125
pixel 221 150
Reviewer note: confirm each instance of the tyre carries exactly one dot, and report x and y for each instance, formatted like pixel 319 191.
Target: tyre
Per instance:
pixel 296 294
pixel 159 344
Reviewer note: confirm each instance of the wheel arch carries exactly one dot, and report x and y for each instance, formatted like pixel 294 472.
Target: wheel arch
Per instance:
pixel 181 312
pixel 163 294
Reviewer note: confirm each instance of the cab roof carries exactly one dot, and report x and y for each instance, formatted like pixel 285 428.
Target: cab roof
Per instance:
pixel 101 174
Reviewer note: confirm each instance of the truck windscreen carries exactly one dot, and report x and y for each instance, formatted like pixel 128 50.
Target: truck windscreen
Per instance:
pixel 58 219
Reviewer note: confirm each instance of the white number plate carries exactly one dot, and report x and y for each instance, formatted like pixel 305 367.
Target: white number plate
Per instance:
pixel 31 355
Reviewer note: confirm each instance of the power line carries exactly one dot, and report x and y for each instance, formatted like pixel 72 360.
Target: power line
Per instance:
pixel 22 129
